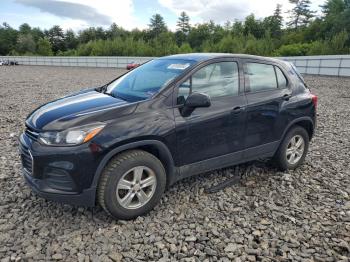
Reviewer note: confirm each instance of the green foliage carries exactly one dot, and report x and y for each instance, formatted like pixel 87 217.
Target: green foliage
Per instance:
pixel 253 27
pixel 301 14
pixel 183 23
pixel 305 35
pixel 157 25
pixel 274 23
pixel 8 39
pixel 70 40
pixel 56 38
pixel 44 47
pixel 293 50
pixel 338 43
pixel 25 44
pixel 185 48
pixel 318 48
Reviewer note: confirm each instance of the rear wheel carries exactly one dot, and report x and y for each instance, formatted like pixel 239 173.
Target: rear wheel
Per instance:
pixel 293 149
pixel 131 184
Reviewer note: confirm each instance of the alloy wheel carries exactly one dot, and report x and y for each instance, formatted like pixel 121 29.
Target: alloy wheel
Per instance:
pixel 136 187
pixel 295 149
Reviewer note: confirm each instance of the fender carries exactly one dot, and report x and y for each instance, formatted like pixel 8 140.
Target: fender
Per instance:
pixel 163 150
pixel 295 121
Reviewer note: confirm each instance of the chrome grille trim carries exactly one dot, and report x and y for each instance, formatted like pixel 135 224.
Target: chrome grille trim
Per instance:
pixel 27 160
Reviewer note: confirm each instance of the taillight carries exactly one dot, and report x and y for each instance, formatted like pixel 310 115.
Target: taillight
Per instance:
pixel 314 100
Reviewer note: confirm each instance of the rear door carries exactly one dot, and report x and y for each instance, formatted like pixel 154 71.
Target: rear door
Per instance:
pixel 216 130
pixel 266 89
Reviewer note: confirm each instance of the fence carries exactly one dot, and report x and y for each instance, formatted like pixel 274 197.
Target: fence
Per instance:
pixel 83 61
pixel 333 65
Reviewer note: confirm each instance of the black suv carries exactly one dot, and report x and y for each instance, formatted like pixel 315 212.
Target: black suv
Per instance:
pixel 122 144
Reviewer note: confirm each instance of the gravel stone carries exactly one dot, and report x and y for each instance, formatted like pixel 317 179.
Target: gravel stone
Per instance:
pixel 300 215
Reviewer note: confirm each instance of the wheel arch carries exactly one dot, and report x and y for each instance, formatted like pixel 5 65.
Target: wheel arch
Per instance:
pixel 154 147
pixel 306 122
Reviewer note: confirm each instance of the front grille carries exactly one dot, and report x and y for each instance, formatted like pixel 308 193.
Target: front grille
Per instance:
pixel 27 159
pixel 32 134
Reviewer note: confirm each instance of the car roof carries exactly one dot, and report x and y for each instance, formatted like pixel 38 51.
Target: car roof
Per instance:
pixel 199 57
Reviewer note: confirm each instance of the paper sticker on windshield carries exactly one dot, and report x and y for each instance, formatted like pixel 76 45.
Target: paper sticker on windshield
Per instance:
pixel 179 66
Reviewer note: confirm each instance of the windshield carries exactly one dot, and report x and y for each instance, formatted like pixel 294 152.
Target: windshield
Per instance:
pixel 148 79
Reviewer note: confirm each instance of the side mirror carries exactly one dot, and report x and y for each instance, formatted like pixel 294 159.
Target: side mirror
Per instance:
pixel 193 101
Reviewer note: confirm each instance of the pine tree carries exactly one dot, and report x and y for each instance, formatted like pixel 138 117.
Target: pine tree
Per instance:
pixel 157 25
pixel 301 14
pixel 277 15
pixel 70 39
pixel 183 23
pixel 56 38
pixel 274 23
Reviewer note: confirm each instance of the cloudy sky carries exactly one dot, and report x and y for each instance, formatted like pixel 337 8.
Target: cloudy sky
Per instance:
pixel 79 14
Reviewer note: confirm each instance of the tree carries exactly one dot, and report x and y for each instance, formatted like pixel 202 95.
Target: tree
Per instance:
pixel 277 15
pixel 157 25
pixel 333 7
pixel 301 14
pixel 71 42
pixel 183 23
pixel 326 34
pixel 56 38
pixel 253 27
pixel 227 26
pixel 237 28
pixel 92 33
pixel 274 23
pixel 25 44
pixel 44 47
pixel 115 31
pixel 336 17
pixel 197 36
pixel 185 48
pixel 183 28
pixel 37 33
pixel 8 38
pixel 25 29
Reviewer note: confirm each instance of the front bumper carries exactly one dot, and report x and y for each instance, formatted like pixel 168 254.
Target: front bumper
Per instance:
pixel 62 174
pixel 86 198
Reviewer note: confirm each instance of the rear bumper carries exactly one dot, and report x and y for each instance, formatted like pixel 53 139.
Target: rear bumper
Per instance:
pixel 38 186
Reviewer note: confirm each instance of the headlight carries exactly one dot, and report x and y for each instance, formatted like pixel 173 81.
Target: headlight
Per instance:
pixel 72 136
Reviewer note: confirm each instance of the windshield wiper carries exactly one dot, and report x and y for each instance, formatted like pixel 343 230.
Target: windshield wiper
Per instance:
pixel 102 89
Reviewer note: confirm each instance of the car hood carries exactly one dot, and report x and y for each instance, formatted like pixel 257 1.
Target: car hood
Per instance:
pixel 82 108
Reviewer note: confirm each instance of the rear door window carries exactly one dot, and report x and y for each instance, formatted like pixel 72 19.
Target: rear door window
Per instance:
pixel 260 77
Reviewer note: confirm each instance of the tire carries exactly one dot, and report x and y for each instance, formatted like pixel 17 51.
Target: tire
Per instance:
pixel 119 193
pixel 283 159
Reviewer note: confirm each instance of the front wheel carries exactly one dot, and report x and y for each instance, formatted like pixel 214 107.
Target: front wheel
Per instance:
pixel 293 149
pixel 131 184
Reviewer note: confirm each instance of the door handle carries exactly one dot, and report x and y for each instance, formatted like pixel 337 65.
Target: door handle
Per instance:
pixel 287 96
pixel 237 110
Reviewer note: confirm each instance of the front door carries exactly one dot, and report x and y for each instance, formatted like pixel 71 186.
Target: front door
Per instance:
pixel 216 130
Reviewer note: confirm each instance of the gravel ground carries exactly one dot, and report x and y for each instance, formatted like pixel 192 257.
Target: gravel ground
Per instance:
pixel 302 215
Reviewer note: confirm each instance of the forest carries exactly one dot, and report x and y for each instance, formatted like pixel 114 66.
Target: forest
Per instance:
pixel 303 33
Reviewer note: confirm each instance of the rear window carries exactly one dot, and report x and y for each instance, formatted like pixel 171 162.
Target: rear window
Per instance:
pixel 294 70
pixel 281 79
